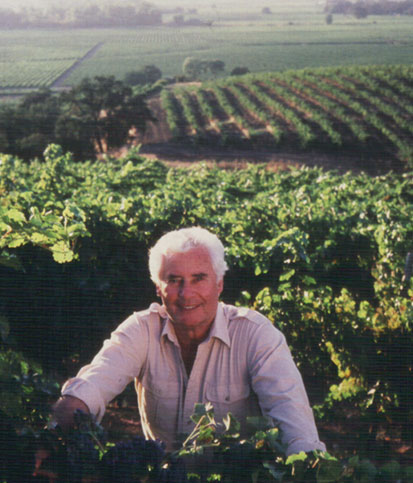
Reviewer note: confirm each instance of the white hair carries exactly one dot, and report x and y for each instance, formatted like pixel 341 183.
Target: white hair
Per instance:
pixel 183 240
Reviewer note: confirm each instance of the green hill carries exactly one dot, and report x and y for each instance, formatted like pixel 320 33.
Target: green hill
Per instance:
pixel 363 110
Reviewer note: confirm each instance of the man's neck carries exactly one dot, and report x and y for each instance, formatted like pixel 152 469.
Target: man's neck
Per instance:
pixel 189 340
pixel 188 353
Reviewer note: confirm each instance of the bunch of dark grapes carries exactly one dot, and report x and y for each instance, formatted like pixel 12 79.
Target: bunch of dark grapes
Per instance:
pixel 82 456
pixel 240 460
pixel 174 472
pixel 129 461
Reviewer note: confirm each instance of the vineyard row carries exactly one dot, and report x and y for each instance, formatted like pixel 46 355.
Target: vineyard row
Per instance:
pixel 350 107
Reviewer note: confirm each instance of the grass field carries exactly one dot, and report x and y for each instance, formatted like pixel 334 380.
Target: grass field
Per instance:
pixel 294 36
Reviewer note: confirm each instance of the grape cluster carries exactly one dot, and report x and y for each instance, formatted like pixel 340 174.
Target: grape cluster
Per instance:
pixel 173 472
pixel 130 460
pixel 82 456
pixel 240 460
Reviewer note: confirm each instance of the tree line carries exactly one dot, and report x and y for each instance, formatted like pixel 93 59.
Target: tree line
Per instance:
pixel 361 9
pixel 92 15
pixel 96 115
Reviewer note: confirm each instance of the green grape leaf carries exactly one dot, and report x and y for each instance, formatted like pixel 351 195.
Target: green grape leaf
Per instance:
pixel 62 253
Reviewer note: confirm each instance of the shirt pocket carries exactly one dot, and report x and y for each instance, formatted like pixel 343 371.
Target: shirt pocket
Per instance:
pixel 161 405
pixel 233 398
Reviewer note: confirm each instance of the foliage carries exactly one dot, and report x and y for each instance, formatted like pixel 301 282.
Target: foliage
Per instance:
pixel 149 74
pixel 195 68
pixel 213 451
pixel 94 116
pixel 322 255
pixel 89 16
pixel 100 112
pixel 26 391
pixel 361 9
pixel 240 71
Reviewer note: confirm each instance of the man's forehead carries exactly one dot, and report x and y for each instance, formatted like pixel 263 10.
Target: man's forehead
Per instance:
pixel 196 260
pixel 194 252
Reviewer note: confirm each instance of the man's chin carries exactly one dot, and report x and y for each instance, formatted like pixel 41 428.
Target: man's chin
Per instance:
pixel 186 321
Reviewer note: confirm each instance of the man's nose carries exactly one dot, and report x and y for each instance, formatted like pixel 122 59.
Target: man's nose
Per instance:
pixel 185 289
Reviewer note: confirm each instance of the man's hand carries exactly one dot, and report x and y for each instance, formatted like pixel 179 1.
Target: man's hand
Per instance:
pixel 63 411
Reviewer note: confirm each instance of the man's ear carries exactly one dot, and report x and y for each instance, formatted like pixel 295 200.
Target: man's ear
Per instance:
pixel 221 286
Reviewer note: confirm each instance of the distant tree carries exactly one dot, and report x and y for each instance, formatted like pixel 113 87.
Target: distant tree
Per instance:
pixel 179 19
pixel 90 16
pixel 27 128
pixel 338 6
pixel 149 15
pixel 9 19
pixel 329 18
pixel 193 67
pixel 239 71
pixel 266 11
pixel 103 110
pixel 135 78
pixel 94 116
pixel 147 75
pixel 58 13
pixel 360 10
pixel 214 66
pixel 152 73
pixel 123 16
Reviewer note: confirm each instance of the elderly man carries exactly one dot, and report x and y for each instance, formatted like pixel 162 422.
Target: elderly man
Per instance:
pixel 191 349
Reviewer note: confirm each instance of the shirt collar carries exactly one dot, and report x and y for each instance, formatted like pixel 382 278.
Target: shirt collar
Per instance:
pixel 167 327
pixel 218 330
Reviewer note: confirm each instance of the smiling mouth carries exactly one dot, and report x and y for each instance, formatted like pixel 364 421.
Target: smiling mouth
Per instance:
pixel 189 307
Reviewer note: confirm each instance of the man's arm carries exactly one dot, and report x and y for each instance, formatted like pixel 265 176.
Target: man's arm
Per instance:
pixel 280 390
pixel 63 411
pixel 116 364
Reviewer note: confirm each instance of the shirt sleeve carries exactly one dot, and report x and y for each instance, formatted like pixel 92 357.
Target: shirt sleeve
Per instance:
pixel 280 389
pixel 118 362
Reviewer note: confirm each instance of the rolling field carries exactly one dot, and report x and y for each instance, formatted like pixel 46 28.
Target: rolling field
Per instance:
pixel 34 58
pixel 292 37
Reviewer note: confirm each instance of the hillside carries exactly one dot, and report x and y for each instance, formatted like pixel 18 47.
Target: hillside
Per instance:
pixel 349 117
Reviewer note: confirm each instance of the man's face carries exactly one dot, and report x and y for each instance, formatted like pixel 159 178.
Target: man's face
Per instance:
pixel 189 291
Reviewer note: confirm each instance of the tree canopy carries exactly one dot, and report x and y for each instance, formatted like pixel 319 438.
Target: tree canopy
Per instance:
pixel 195 68
pixel 147 75
pixel 93 117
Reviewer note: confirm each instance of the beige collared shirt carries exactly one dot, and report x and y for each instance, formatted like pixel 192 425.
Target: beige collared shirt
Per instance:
pixel 244 366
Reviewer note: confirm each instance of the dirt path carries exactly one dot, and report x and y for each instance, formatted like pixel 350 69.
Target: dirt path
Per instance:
pixel 157 132
pixel 60 80
pixel 186 156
